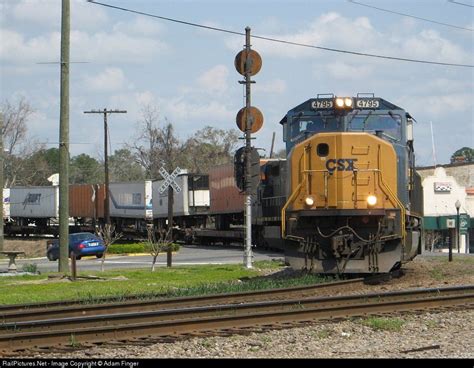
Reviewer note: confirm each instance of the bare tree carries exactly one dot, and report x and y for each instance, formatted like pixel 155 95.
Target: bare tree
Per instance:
pixel 15 141
pixel 432 237
pixel 156 146
pixel 109 236
pixel 158 242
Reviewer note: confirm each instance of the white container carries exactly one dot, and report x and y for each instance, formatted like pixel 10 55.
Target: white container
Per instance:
pixel 185 203
pixel 6 203
pixel 131 200
pixel 34 202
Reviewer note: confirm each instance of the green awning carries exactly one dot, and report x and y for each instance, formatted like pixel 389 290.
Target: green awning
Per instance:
pixel 441 222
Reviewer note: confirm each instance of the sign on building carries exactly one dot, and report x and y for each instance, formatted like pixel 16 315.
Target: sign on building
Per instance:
pixel 442 187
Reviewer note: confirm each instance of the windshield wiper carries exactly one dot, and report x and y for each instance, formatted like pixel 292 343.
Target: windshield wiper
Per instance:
pixel 353 116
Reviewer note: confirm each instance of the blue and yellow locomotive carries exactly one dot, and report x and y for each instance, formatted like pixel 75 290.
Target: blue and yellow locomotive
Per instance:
pixel 353 198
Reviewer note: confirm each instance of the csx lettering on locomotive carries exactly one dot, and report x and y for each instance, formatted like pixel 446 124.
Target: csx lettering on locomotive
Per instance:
pixel 341 164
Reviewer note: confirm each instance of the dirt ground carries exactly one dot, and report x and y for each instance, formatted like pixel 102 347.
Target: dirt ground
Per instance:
pixel 34 247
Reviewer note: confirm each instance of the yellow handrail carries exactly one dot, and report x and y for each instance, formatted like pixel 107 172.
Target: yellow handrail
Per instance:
pixel 394 198
pixel 288 202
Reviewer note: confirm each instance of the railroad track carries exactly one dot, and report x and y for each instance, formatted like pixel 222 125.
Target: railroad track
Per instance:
pixel 215 319
pixel 64 309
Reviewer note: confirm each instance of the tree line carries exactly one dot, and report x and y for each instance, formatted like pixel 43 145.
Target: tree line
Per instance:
pixel 156 144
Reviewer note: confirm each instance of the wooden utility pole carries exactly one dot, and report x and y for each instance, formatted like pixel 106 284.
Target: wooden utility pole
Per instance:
pixel 106 157
pixel 64 141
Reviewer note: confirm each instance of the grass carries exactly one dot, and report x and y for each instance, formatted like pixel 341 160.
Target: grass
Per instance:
pixel 383 324
pixel 175 281
pixel 437 274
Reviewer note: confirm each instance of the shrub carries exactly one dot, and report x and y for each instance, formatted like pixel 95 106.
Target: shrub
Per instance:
pixel 127 248
pixel 30 267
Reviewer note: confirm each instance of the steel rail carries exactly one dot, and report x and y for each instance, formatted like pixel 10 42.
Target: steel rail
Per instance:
pixel 23 313
pixel 260 314
pixel 205 311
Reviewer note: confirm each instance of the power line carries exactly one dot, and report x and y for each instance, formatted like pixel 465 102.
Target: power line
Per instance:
pixel 411 16
pixel 278 40
pixel 458 3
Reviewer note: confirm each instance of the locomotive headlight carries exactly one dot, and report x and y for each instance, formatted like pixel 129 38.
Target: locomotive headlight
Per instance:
pixel 340 102
pixel 348 102
pixel 371 200
pixel 309 201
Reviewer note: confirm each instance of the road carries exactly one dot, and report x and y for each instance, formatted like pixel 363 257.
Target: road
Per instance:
pixel 187 255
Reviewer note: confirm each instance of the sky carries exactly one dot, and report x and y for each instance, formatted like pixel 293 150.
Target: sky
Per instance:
pixel 128 61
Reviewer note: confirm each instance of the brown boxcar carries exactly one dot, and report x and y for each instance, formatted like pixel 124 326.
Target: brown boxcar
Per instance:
pixel 225 196
pixel 86 201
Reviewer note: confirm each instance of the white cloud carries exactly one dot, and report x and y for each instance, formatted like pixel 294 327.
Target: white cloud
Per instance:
pixel 15 48
pixel 440 106
pixel 111 79
pixel 139 26
pixel 182 111
pixel 277 86
pixel 344 71
pixel 100 47
pixel 48 13
pixel 214 80
pixel 333 30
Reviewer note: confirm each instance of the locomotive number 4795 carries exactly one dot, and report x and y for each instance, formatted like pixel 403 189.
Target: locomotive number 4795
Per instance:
pixel 368 103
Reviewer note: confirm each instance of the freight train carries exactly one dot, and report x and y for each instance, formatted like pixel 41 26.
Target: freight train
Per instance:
pixel 346 199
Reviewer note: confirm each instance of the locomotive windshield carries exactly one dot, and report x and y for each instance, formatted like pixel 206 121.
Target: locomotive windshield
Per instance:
pixel 389 124
pixel 303 127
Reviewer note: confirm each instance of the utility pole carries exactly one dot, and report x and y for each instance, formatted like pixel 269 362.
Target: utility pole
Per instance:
pixel 64 141
pixel 106 157
pixel 1 181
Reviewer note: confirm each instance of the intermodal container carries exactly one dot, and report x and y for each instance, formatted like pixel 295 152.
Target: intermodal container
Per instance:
pixel 86 200
pixel 34 202
pixel 225 196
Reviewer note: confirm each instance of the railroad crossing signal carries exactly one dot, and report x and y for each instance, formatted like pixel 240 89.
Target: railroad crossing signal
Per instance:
pixel 169 180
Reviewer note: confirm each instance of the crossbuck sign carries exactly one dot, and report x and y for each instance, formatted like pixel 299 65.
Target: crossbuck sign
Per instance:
pixel 169 180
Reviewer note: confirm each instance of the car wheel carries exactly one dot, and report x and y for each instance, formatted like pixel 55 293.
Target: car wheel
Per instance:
pixel 78 258
pixel 99 255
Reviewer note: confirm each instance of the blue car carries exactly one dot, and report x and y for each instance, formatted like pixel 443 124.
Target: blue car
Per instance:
pixel 82 244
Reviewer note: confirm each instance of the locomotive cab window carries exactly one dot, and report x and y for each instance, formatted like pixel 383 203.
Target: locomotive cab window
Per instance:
pixel 306 126
pixel 390 125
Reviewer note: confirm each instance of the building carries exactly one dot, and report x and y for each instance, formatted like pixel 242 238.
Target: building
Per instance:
pixel 443 186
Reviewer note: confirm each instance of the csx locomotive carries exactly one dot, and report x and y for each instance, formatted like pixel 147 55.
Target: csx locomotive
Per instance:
pixel 353 198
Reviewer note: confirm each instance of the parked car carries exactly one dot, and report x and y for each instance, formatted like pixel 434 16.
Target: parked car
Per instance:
pixel 82 244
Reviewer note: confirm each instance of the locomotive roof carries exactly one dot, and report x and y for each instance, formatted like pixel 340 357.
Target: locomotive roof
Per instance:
pixel 307 105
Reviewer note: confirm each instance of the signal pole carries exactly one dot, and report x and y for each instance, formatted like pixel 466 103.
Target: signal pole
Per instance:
pixel 248 148
pixel 249 120
pixel 106 158
pixel 64 142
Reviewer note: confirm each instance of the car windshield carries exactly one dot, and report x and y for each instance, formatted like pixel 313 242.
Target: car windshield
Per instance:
pixel 82 236
pixel 389 124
